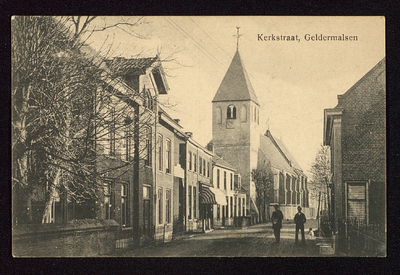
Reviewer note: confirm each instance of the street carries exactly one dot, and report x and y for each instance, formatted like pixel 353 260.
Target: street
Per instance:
pixel 253 241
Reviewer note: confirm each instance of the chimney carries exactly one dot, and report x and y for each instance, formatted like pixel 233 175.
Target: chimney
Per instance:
pixel 190 134
pixel 177 120
pixel 339 98
pixel 210 147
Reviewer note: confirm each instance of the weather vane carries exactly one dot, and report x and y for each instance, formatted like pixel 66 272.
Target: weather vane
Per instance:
pixel 237 37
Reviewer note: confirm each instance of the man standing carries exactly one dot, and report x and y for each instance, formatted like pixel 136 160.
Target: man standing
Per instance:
pixel 277 218
pixel 300 220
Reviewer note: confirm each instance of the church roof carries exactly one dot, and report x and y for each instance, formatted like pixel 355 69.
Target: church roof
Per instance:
pixel 278 154
pixel 236 85
pixel 276 158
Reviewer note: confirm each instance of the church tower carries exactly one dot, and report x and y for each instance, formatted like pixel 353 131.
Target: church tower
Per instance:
pixel 235 126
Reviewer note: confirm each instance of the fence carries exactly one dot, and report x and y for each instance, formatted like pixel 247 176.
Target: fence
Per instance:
pixel 366 239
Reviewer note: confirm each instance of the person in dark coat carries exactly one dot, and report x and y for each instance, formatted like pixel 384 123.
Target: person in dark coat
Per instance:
pixel 300 220
pixel 277 218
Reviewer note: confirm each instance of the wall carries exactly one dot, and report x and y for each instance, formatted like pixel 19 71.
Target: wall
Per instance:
pixel 88 239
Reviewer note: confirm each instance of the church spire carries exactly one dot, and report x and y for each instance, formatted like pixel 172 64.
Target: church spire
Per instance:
pixel 236 85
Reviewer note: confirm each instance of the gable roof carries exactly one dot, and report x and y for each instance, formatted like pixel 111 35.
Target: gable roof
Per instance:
pixel 121 65
pixel 235 85
pixel 221 162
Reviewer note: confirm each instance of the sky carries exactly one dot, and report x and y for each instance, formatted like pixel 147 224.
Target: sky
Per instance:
pixel 294 80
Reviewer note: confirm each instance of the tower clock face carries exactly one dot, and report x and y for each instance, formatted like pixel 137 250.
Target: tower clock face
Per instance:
pixel 229 124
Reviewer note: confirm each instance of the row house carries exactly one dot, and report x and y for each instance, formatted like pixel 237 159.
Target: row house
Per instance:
pixel 230 205
pixel 127 142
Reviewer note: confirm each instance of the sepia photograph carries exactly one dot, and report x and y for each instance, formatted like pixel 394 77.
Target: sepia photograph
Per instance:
pixel 198 136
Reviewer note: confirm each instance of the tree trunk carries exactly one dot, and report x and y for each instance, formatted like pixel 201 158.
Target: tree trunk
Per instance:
pixel 49 202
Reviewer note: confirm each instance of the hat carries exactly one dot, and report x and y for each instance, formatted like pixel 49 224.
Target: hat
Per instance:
pixel 276 205
pixel 299 207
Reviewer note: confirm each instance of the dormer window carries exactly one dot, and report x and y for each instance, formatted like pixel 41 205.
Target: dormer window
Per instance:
pixel 231 112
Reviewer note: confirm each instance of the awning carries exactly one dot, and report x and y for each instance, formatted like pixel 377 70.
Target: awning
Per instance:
pixel 211 195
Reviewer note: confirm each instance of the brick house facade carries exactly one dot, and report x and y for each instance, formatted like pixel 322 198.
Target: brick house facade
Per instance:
pixel 355 130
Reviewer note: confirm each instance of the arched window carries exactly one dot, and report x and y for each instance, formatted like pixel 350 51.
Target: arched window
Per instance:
pixel 219 115
pixel 243 114
pixel 147 99
pixel 231 112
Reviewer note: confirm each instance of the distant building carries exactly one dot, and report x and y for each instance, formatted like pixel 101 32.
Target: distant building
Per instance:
pixel 355 130
pixel 237 138
pixel 231 198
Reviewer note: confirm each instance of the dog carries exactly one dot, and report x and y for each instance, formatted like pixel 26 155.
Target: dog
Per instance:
pixel 310 233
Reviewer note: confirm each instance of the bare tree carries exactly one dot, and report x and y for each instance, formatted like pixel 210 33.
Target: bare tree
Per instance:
pixel 66 113
pixel 264 180
pixel 320 186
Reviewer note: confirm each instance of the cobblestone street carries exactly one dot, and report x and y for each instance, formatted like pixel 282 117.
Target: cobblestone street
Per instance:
pixel 253 241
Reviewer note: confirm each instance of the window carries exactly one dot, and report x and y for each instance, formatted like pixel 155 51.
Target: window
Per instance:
pixel 231 206
pixel 148 100
pixel 194 202
pixel 190 202
pixel 218 212
pixel 160 152
pixel 200 165
pixel 357 194
pixel 240 207
pixel 124 205
pixel 227 207
pixel 231 112
pixel 219 115
pixel 208 169
pixel 128 146
pixel 168 153
pixel 225 180
pixel 168 205
pixel 190 161
pixel 255 114
pixel 160 206
pixel 194 163
pixel 108 205
pixel 243 207
pixel 148 147
pixel 204 167
pixel 146 192
pixel 112 132
pixel 218 178
pixel 231 181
